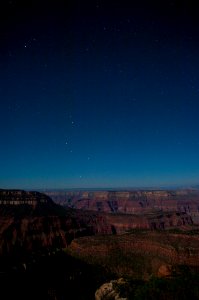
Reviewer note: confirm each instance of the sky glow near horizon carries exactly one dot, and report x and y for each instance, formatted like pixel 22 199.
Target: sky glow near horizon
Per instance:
pixel 97 94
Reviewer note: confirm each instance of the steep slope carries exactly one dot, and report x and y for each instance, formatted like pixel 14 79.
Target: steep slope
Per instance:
pixel 31 221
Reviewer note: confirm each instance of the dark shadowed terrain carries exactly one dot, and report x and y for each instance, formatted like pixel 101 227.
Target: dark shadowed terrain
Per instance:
pixel 51 251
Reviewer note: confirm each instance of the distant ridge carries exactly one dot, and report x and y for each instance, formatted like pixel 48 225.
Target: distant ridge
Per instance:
pixel 120 189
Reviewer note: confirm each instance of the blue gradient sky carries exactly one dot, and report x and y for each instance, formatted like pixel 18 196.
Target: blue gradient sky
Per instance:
pixel 99 95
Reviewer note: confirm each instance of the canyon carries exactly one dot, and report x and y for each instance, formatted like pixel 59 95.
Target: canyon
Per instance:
pixel 152 209
pixel 31 221
pixel 134 235
pixel 130 202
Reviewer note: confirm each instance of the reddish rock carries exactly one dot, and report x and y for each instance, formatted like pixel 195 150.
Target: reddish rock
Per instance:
pixel 31 221
pixel 131 202
pixel 138 254
pixel 164 271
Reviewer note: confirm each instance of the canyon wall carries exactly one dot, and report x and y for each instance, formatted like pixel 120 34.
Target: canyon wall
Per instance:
pixel 32 222
pixel 131 202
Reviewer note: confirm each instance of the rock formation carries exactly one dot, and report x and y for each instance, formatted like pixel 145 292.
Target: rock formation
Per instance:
pixel 139 254
pixel 122 240
pixel 109 290
pixel 131 202
pixel 31 221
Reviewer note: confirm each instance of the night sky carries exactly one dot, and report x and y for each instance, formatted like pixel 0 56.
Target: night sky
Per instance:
pixel 99 94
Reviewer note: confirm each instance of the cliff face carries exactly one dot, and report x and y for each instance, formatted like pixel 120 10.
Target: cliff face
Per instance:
pixel 17 197
pixel 30 221
pixel 32 234
pixel 130 202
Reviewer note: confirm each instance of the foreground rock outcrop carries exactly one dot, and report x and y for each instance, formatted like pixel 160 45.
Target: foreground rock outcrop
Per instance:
pixel 109 290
